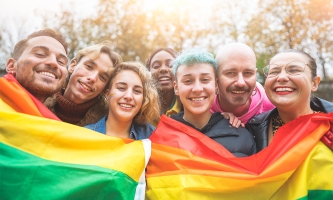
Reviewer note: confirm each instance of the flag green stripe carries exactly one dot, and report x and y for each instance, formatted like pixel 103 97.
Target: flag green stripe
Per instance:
pixel 25 176
pixel 318 195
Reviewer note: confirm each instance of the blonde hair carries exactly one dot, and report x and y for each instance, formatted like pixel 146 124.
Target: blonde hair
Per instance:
pixel 96 50
pixel 150 109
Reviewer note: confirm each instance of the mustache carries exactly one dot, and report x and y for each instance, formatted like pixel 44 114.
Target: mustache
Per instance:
pixel 48 68
pixel 233 88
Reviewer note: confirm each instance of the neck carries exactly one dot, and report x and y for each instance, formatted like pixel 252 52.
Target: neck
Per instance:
pixel 117 128
pixel 288 115
pixel 41 99
pixel 197 120
pixel 238 111
pixel 166 100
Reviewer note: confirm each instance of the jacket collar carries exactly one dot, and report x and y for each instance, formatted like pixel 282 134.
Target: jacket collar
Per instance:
pixel 100 126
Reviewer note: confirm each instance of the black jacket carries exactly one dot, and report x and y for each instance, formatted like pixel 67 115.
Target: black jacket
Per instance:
pixel 238 141
pixel 258 125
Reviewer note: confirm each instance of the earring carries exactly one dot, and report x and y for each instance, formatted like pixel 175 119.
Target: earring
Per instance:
pixel 255 91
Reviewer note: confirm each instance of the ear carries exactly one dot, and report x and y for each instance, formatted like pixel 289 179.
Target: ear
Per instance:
pixel 11 66
pixel 72 66
pixel 107 92
pixel 175 87
pixel 315 83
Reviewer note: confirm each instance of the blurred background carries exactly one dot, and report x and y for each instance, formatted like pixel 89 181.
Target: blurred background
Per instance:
pixel 136 27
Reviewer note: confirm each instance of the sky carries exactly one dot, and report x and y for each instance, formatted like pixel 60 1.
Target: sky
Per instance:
pixel 23 12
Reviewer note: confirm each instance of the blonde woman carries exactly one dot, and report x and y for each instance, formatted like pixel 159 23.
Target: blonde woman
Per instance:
pixel 133 103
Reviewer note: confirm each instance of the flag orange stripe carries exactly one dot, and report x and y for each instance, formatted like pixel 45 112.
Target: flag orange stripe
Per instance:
pixel 168 160
pixel 13 94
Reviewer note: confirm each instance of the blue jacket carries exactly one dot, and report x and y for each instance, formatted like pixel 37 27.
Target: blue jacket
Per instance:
pixel 138 131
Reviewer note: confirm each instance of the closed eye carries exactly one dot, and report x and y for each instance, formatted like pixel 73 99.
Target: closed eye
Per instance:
pixel 62 63
pixel 40 54
pixel 103 78
pixel 137 91
pixel 188 81
pixel 121 88
pixel 88 66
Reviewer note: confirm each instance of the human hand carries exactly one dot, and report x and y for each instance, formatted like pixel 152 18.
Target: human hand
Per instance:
pixel 233 120
pixel 327 139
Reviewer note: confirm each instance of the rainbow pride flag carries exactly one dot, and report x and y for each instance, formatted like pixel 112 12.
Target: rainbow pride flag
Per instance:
pixel 43 158
pixel 186 164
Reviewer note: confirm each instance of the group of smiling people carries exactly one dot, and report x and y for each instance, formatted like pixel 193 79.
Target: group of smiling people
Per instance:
pixel 125 99
pixel 217 96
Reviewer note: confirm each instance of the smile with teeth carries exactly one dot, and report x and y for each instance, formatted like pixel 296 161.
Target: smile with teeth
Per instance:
pixel 125 105
pixel 85 86
pixel 238 92
pixel 197 99
pixel 47 74
pixel 284 89
pixel 164 79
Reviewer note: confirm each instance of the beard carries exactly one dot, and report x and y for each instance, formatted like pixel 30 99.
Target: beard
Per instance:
pixel 240 100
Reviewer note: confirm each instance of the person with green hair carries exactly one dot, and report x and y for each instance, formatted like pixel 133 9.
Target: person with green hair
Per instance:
pixel 196 85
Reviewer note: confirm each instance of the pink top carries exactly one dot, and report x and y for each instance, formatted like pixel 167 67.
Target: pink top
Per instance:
pixel 259 104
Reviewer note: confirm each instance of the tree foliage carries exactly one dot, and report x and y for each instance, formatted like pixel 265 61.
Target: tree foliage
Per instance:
pixel 291 24
pixel 136 27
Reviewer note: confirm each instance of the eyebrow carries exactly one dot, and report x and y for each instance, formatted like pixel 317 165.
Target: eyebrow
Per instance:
pixel 95 64
pixel 159 61
pixel 91 62
pixel 200 74
pixel 124 83
pixel 47 49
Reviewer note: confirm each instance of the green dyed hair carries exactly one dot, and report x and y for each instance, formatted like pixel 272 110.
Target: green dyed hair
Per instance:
pixel 194 56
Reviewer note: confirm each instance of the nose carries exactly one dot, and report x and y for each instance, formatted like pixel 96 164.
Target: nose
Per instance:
pixel 128 95
pixel 283 76
pixel 52 61
pixel 92 77
pixel 240 82
pixel 197 87
pixel 164 69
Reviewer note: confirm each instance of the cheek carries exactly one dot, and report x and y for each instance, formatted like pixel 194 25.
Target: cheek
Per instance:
pixel 268 84
pixel 64 72
pixel 101 85
pixel 153 71
pixel 139 99
pixel 25 62
pixel 224 82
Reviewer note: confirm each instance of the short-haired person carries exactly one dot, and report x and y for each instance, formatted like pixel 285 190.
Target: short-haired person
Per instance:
pixel 133 103
pixel 159 64
pixel 82 101
pixel 291 76
pixel 196 86
pixel 39 63
pixel 239 93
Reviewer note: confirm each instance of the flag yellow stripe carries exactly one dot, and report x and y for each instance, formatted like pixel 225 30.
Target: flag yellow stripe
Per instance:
pixel 289 185
pixel 62 142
